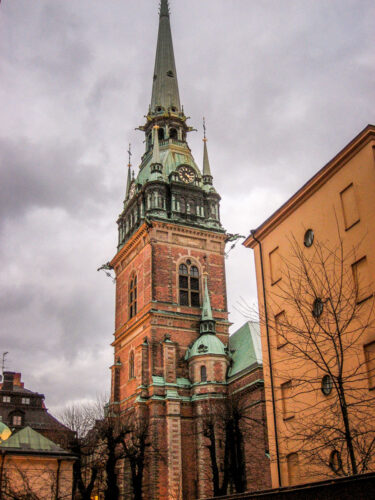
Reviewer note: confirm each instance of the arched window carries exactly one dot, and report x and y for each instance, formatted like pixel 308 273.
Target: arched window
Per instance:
pixel 133 297
pixel 161 134
pixel 131 365
pixel 203 374
pixel 173 133
pixel 188 283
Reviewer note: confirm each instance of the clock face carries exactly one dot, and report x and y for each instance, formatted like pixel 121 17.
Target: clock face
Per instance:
pixel 186 174
pixel 132 190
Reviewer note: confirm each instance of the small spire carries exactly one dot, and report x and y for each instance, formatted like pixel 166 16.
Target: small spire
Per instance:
pixel 129 180
pixel 207 323
pixel 207 177
pixel 156 151
pixel 206 307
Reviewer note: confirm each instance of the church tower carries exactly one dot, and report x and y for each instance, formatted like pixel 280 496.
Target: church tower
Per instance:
pixel 171 325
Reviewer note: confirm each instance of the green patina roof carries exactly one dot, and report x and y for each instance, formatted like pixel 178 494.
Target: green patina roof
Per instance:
pixel 206 344
pixel 29 440
pixel 5 432
pixel 246 345
pixel 170 157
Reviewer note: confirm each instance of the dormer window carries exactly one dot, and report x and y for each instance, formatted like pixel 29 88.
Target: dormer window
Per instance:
pixel 171 75
pixel 188 284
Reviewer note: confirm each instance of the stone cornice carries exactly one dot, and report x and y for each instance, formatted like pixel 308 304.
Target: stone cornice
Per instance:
pixel 130 244
pixel 192 231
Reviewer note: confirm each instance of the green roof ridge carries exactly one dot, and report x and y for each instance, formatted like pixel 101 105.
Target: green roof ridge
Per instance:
pixel 28 439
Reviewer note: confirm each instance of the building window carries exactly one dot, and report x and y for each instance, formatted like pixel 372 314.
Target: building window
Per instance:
pixel 370 362
pixel 308 239
pixel 188 283
pixel 280 329
pixel 349 207
pixel 286 396
pixel 131 365
pixel 327 385
pixel 203 374
pixel 17 420
pixel 275 266
pixel 293 468
pixel 361 280
pixel 335 461
pixel 133 297
pixel 317 309
pixel 6 399
pixel 25 401
pixel 161 134
pixel 173 133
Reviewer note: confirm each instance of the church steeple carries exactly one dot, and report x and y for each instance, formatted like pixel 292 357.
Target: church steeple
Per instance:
pixel 165 96
pixel 169 185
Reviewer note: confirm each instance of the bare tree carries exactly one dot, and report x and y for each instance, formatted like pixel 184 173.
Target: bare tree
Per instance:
pixel 226 425
pixel 320 315
pixel 82 419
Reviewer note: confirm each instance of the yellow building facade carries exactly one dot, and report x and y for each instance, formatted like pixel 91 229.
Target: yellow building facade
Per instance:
pixel 315 267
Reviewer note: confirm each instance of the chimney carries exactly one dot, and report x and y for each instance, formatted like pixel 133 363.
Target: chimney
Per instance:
pixel 8 381
pixel 17 380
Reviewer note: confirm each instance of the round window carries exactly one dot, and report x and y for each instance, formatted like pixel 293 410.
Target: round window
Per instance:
pixel 308 239
pixel 327 385
pixel 335 461
pixel 317 308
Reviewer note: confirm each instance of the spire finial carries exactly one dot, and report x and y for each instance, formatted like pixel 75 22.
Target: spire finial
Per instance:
pixel 164 8
pixel 207 177
pixel 130 155
pixel 129 179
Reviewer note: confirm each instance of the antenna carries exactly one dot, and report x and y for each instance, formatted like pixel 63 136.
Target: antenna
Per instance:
pixel 3 362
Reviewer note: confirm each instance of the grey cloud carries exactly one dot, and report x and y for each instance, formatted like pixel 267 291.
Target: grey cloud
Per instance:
pixel 283 86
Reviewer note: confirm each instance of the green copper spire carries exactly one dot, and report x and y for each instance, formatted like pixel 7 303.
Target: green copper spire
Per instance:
pixel 165 96
pixel 207 324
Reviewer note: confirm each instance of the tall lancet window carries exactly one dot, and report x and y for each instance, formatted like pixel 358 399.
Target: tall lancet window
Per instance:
pixel 188 283
pixel 133 296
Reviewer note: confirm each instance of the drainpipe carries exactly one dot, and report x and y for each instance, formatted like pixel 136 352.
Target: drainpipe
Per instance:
pixel 3 453
pixel 269 356
pixel 58 479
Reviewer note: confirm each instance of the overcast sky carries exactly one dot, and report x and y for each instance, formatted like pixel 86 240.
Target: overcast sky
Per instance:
pixel 284 85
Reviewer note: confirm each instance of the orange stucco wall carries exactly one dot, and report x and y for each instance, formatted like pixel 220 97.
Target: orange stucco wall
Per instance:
pixel 318 206
pixel 36 475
